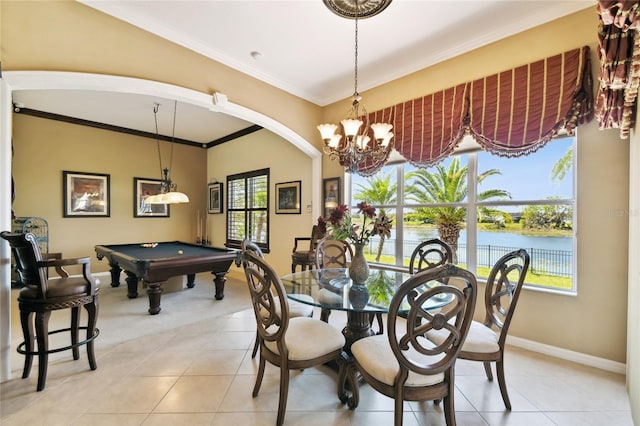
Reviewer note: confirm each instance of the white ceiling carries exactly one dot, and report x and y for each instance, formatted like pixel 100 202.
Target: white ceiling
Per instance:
pixel 304 49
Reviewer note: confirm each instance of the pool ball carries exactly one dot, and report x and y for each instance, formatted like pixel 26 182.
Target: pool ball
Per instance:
pixel 180 252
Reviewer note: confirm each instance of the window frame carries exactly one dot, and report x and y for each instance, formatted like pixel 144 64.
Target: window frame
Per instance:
pixel 245 176
pixel 472 205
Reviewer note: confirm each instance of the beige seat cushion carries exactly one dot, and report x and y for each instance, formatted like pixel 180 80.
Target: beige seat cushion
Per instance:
pixel 481 339
pixel 299 309
pixel 309 338
pixel 376 357
pixel 296 309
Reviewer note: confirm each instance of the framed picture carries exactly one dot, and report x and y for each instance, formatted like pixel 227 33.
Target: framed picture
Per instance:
pixel 215 198
pixel 85 194
pixel 288 197
pixel 331 195
pixel 142 189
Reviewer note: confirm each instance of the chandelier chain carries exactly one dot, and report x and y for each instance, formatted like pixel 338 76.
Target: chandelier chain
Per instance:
pixel 355 73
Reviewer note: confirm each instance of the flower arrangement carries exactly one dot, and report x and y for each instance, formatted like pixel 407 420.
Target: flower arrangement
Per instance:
pixel 342 226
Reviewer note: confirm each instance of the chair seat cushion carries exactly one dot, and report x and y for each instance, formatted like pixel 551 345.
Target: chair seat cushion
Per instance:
pixel 301 256
pixel 309 338
pixel 58 288
pixel 300 309
pixel 296 309
pixel 481 339
pixel 375 356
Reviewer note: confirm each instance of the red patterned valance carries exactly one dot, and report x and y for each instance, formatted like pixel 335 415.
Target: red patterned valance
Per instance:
pixel 512 113
pixel 516 112
pixel 428 129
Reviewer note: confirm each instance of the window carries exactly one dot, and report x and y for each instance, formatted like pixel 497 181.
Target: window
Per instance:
pixel 248 208
pixel 484 206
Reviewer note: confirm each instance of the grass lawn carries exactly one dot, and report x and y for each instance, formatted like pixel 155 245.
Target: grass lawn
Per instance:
pixel 538 280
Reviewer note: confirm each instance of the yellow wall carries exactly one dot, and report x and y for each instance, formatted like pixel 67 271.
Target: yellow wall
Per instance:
pixel 44 148
pixel 70 36
pixel 256 151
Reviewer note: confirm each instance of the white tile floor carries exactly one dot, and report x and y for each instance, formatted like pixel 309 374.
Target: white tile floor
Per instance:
pixel 191 365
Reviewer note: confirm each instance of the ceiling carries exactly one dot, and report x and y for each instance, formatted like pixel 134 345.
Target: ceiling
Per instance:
pixel 299 46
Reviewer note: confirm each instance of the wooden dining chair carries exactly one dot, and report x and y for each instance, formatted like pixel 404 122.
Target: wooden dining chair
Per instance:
pixel 285 342
pixel 338 254
pixel 296 309
pixel 304 250
pixel 486 341
pixel 41 295
pixel 429 254
pixel 404 365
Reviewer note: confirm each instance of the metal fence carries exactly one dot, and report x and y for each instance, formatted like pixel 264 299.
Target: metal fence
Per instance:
pixel 556 263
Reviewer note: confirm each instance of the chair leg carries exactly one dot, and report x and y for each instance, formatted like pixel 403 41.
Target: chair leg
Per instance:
pixel 75 320
pixel 449 410
pixel 256 345
pixel 503 384
pixel 398 411
pixel 284 392
pixel 92 311
pixel 487 370
pixel 26 319
pixel 378 317
pixel 256 387
pixel 42 337
pixel 324 314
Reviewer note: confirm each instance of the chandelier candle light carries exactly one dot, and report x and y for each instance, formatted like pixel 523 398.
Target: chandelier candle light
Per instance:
pixel 168 190
pixel 362 142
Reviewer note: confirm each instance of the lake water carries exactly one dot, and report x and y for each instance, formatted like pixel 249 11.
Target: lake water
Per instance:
pixel 551 254
pixel 505 239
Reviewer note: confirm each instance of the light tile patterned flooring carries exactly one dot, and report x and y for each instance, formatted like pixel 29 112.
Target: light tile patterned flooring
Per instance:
pixel 191 365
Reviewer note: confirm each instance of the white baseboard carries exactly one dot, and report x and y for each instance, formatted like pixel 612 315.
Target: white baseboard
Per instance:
pixel 580 358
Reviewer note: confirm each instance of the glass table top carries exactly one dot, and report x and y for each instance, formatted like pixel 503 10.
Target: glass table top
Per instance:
pixel 333 289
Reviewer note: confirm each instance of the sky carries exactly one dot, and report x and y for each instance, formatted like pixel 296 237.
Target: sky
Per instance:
pixel 527 177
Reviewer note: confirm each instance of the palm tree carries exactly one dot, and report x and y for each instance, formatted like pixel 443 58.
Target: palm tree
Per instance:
pixel 447 185
pixel 379 190
pixel 562 166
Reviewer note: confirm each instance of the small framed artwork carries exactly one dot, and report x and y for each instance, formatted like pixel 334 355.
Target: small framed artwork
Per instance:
pixel 331 195
pixel 288 197
pixel 215 198
pixel 142 189
pixel 85 194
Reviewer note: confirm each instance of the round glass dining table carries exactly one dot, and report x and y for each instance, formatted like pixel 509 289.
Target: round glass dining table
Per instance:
pixel 332 289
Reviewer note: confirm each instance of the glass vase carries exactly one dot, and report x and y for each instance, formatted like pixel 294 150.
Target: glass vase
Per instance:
pixel 359 268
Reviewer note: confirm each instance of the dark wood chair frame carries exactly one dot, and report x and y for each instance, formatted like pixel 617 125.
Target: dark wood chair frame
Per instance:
pixel 271 310
pixel 41 296
pixel 498 316
pixel 305 258
pixel 456 319
pixel 421 256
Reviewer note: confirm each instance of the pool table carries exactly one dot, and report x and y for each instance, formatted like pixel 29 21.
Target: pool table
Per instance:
pixel 155 263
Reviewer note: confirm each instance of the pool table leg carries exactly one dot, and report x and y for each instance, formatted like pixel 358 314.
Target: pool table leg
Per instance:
pixel 154 290
pixel 132 285
pixel 219 280
pixel 191 280
pixel 115 275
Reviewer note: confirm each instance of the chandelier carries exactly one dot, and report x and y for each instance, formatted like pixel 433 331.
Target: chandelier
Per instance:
pixel 168 190
pixel 359 142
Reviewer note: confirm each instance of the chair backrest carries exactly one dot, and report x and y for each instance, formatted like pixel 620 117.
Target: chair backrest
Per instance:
pixel 421 294
pixel 26 253
pixel 503 290
pixel 268 298
pixel 333 254
pixel 429 254
pixel 247 244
